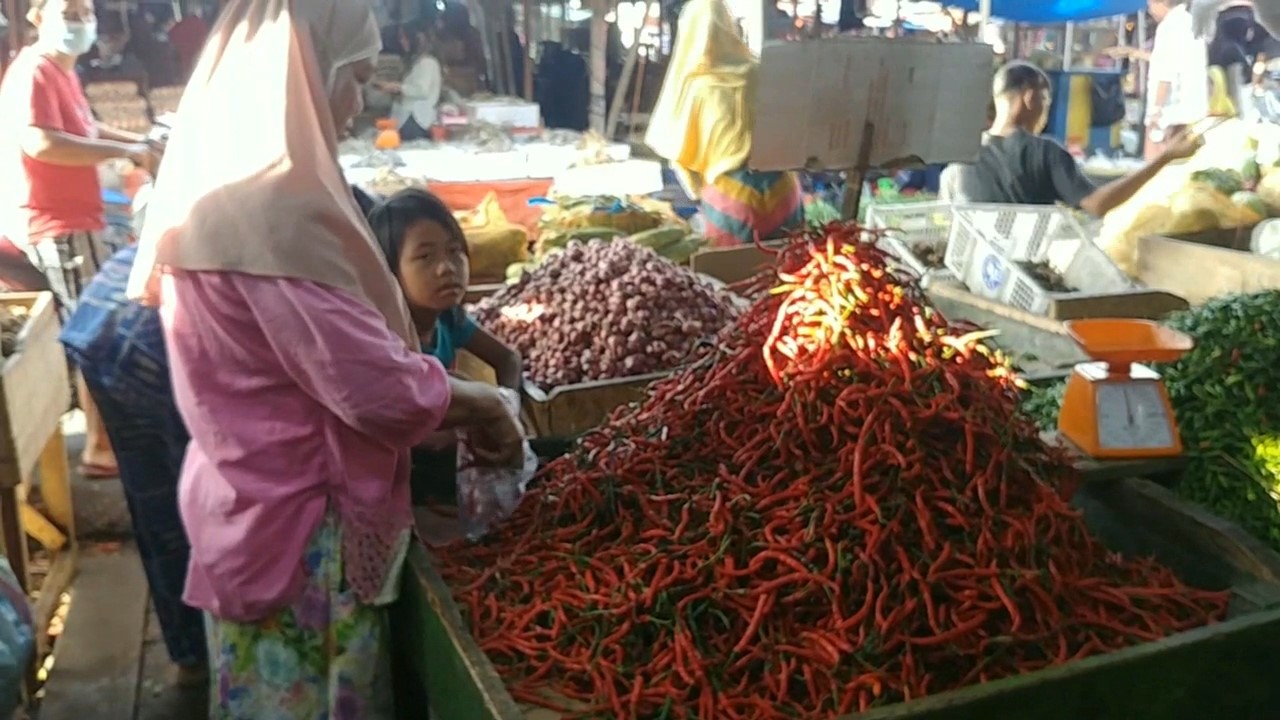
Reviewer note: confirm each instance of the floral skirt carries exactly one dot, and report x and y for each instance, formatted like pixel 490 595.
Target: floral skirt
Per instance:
pixel 324 658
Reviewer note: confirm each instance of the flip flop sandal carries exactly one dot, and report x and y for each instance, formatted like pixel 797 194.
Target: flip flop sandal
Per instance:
pixel 89 471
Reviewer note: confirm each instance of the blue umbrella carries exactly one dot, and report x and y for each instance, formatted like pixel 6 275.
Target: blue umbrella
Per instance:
pixel 1054 11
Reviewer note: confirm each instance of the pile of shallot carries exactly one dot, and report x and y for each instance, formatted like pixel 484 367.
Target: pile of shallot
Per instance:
pixel 601 310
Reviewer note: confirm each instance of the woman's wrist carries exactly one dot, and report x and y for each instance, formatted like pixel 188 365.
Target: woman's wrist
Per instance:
pixel 471 403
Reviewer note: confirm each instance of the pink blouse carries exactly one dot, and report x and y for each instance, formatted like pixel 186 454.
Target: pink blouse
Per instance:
pixel 299 401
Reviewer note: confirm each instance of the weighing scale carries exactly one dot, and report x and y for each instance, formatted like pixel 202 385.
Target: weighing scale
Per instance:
pixel 1113 407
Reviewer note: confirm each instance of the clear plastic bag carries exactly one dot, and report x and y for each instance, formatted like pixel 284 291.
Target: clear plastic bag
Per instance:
pixel 486 495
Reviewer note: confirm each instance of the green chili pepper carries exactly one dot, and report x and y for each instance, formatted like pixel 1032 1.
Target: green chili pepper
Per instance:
pixel 1222 393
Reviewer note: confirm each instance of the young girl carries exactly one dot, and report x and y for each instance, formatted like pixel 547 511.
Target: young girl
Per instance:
pixel 427 252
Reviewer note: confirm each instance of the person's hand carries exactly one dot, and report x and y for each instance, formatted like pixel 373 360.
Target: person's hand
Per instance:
pixel 142 155
pixel 386 86
pixel 498 442
pixel 1119 52
pixel 493 435
pixel 1183 145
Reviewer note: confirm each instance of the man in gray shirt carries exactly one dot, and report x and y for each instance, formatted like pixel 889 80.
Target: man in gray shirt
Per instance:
pixel 1017 165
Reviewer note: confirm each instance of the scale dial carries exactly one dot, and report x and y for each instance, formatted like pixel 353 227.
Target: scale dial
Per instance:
pixel 1132 415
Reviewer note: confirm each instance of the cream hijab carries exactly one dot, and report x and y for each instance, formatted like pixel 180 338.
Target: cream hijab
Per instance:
pixel 250 180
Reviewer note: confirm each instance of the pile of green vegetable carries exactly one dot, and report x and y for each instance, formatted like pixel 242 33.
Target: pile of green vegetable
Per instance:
pixel 1042 402
pixel 1224 394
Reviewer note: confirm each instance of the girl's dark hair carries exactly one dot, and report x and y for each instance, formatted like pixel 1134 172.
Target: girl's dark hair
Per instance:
pixel 419 34
pixel 391 219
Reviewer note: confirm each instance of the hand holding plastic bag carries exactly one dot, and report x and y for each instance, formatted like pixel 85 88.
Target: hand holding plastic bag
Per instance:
pixel 488 493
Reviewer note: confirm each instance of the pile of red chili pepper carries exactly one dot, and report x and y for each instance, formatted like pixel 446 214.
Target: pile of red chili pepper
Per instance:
pixel 841 509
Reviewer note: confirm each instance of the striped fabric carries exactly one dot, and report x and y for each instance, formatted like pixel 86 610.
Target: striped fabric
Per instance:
pixel 744 203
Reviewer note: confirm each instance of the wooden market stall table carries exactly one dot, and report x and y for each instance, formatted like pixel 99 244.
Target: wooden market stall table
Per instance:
pixel 1219 670
pixel 1205 265
pixel 1041 345
pixel 35 392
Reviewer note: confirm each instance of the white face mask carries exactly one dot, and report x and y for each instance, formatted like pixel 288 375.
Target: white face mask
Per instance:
pixel 69 37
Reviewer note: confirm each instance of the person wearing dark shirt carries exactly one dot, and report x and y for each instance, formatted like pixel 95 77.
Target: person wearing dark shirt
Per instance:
pixel 187 38
pixel 1016 165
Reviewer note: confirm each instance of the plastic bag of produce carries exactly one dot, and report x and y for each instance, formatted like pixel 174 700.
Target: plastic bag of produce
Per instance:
pixel 1186 197
pixel 486 495
pixel 1269 187
pixel 494 243
pixel 1200 206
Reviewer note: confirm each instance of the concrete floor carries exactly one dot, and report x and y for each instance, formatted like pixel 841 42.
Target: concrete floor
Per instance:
pixel 110 663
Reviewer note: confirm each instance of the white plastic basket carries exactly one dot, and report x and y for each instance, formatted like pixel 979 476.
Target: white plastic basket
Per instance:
pixel 1001 275
pixel 911 227
pixel 1019 231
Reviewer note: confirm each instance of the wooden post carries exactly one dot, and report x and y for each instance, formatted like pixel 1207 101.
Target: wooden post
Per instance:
pixel 530 39
pixel 599 64
pixel 624 81
pixel 635 98
pixel 856 177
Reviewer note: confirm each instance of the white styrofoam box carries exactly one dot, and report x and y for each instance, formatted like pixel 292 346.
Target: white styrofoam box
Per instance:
pixel 444 163
pixel 508 165
pixel 633 177
pixel 546 160
pixel 506 112
pixel 996 274
pixel 360 176
pixel 1017 230
pixel 908 226
pixel 450 163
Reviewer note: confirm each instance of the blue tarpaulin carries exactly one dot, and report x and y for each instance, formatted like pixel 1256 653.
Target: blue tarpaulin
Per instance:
pixel 1053 11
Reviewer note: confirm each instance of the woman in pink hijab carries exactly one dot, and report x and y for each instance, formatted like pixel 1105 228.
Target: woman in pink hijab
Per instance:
pixel 291 354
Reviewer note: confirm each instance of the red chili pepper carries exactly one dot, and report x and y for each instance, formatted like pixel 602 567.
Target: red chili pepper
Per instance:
pixel 840 509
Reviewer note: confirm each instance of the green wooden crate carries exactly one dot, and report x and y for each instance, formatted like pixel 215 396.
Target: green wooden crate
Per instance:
pixel 1220 672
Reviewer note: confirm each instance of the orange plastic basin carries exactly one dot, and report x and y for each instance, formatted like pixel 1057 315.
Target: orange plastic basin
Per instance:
pixel 1125 341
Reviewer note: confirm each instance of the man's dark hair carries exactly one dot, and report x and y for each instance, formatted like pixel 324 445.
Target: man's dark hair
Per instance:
pixel 1019 77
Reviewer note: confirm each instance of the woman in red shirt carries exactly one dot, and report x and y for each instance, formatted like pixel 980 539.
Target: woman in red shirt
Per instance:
pixel 50 146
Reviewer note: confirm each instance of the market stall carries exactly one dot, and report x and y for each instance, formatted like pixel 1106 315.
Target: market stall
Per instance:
pixel 668 456
pixel 1136 515
pixel 727 421
pixel 830 492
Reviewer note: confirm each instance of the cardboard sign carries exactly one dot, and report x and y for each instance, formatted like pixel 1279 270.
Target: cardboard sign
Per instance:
pixel 815 100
